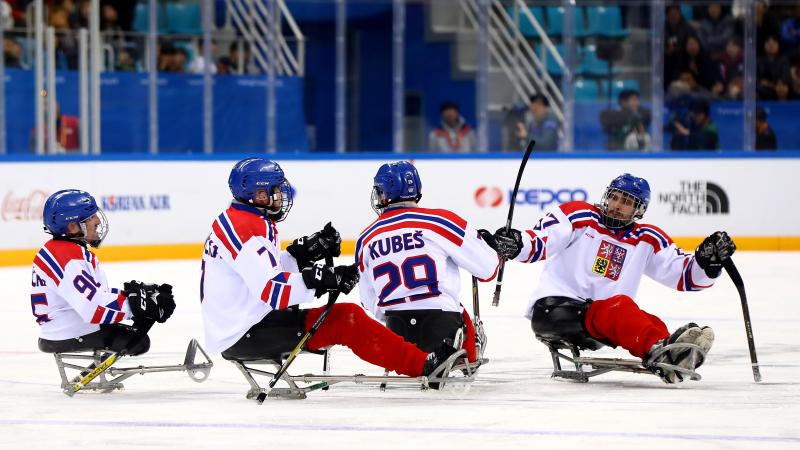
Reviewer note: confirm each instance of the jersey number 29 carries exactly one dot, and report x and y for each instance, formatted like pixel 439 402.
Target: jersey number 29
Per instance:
pixel 407 276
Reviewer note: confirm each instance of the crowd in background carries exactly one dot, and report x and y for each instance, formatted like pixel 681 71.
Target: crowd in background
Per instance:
pixel 176 53
pixel 703 63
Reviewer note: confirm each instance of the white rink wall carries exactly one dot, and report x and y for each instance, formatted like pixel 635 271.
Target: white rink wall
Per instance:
pixel 167 202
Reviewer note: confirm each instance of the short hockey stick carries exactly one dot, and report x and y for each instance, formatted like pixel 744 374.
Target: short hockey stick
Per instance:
pixel 300 345
pixel 512 201
pixel 733 272
pixel 143 328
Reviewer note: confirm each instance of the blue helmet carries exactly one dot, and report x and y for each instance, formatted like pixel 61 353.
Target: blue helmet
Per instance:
pixel 630 189
pixel 251 175
pixel 395 182
pixel 73 206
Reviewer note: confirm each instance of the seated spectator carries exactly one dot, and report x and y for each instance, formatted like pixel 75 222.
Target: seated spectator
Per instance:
pixel 730 66
pixel 686 84
pixel 112 31
pixel 765 135
pixel 66 40
pixel 790 29
pixel 627 127
pixel 700 133
pixel 12 52
pixel 236 62
pixel 695 59
pixel 783 90
pixel 676 31
pixel 734 90
pixel 168 58
pixel 770 67
pixel 18 12
pixel 67 132
pixel 715 30
pixel 180 60
pixel 199 62
pixel 79 18
pixel 767 24
pixel 539 124
pixel 126 59
pixel 453 135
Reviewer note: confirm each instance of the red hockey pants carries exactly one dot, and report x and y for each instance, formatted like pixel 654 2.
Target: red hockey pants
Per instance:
pixel 619 320
pixel 347 324
pixel 469 338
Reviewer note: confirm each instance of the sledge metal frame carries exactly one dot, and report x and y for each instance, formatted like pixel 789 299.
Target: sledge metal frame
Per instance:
pixel 599 366
pixel 310 382
pixel 198 372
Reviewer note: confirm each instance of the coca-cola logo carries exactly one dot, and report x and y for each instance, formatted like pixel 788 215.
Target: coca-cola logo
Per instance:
pixel 23 206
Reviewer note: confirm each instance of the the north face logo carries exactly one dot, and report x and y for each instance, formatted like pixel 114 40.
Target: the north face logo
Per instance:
pixel 697 198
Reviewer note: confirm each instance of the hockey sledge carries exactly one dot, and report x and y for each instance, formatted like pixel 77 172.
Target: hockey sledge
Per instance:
pixel 455 370
pixel 586 368
pixel 110 379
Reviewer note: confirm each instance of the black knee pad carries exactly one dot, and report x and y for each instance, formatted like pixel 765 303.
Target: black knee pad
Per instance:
pixel 277 333
pixel 265 343
pixel 141 348
pixel 562 319
pixel 425 328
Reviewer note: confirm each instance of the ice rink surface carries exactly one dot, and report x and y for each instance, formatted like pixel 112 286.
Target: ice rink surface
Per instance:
pixel 514 402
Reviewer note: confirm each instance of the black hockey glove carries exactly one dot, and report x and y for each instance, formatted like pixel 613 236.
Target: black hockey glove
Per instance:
pixel 150 301
pixel 509 244
pixel 488 237
pixel 308 249
pixel 329 279
pixel 713 251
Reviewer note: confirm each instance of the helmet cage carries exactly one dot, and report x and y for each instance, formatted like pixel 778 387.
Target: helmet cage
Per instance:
pixel 101 231
pixel 639 208
pixel 286 199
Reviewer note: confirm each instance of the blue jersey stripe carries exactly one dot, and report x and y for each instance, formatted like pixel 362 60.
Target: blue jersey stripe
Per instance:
pixel 46 257
pixel 281 277
pixel 405 216
pixel 276 290
pixel 583 214
pixel 229 232
pixel 658 235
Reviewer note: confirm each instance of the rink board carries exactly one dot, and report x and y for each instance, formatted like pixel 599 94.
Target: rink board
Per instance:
pixel 163 209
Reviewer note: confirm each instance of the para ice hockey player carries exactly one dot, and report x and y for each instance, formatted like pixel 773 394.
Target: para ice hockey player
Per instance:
pixel 595 256
pixel 250 289
pixel 409 260
pixel 70 296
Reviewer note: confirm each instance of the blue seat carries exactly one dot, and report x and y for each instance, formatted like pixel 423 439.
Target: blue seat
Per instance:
pixel 141 19
pixel 555 21
pixel 591 65
pixel 184 18
pixel 549 62
pixel 605 21
pixel 687 12
pixel 586 90
pixel 525 25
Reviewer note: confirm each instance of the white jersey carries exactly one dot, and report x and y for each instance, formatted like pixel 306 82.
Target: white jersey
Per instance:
pixel 245 275
pixel 409 259
pixel 70 296
pixel 586 260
